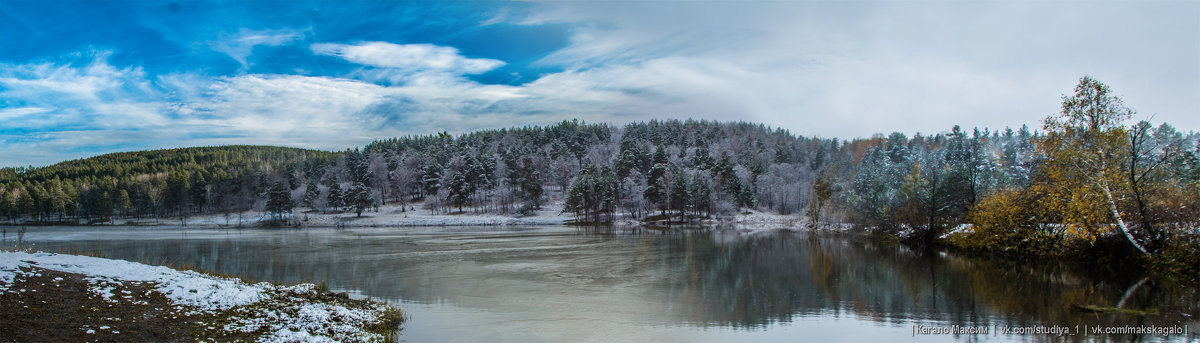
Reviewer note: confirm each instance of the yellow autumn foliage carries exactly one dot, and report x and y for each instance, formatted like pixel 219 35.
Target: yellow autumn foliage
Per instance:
pixel 1013 221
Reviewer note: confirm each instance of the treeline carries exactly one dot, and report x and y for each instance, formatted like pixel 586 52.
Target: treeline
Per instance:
pixel 169 183
pixel 1088 183
pixel 1085 178
pixel 678 169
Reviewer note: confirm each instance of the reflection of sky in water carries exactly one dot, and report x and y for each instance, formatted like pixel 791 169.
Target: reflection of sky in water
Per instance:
pixel 565 284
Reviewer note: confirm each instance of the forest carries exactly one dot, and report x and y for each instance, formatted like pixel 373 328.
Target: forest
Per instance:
pixel 1086 180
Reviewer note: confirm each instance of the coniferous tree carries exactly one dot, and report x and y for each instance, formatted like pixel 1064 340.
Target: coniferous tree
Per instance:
pixel 335 199
pixel 701 193
pixel 279 201
pixel 431 177
pixel 359 198
pixel 679 196
pixel 460 190
pixel 530 183
pixel 123 203
pixel 8 204
pixel 311 194
pixel 26 204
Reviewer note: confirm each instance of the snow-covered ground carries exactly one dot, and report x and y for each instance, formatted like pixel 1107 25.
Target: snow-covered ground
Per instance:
pixel 283 313
pixel 550 214
pixel 386 216
pixel 415 214
pixel 764 219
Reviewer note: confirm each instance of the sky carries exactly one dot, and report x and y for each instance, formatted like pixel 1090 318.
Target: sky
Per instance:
pixel 82 78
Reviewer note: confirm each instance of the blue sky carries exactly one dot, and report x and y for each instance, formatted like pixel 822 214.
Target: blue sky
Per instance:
pixel 80 78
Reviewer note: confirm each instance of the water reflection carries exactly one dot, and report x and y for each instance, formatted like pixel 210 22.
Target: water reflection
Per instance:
pixel 753 280
pixel 558 283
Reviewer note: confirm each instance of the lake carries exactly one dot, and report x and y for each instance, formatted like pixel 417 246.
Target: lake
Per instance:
pixel 558 284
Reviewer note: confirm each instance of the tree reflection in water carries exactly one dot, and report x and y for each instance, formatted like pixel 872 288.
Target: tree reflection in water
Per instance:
pixel 750 280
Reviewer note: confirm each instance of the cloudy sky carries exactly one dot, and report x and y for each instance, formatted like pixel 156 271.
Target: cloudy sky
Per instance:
pixel 80 78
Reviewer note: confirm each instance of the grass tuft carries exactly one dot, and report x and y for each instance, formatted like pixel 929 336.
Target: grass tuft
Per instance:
pixel 389 322
pixel 323 287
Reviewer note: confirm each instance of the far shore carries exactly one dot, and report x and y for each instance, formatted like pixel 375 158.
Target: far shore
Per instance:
pixel 412 215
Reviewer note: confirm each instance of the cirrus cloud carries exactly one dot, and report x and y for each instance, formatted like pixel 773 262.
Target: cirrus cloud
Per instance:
pixel 240 45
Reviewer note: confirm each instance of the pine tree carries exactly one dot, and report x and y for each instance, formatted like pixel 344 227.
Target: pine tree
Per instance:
pixel 199 191
pixel 460 190
pixel 703 160
pixel 531 183
pixel 656 186
pixel 579 200
pixel 105 204
pixel 123 203
pixel 279 200
pixel 359 198
pixel 701 192
pixel 593 194
pixel 311 193
pixel 680 197
pixel 627 160
pixel 26 203
pixel 334 199
pixel 431 176
pixel 8 204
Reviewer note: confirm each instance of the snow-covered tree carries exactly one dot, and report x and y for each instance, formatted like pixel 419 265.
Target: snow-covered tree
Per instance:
pixel 311 194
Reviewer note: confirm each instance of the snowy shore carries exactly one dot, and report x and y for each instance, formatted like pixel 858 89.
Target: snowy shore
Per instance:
pixel 265 311
pixel 392 216
pixel 389 216
pixel 417 214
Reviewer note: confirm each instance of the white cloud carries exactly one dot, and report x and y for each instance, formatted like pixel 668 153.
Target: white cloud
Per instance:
pixel 69 112
pixel 816 68
pixel 19 112
pixel 408 58
pixel 334 113
pixel 95 95
pixel 241 45
pixel 856 68
pixel 286 109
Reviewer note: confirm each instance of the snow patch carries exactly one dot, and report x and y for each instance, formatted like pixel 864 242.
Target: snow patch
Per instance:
pixel 285 312
pixel 8 272
pixel 961 228
pixel 392 215
pixel 183 287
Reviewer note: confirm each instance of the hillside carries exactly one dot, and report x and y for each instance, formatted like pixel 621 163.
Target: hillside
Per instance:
pixel 150 183
pixel 132 163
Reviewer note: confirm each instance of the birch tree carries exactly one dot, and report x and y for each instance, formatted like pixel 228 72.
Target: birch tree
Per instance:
pixel 1085 144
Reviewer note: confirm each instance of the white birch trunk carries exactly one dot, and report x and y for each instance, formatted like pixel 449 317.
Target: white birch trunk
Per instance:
pixel 1112 205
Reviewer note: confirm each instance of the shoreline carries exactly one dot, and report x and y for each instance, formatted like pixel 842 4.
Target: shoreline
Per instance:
pixel 395 216
pixel 73 297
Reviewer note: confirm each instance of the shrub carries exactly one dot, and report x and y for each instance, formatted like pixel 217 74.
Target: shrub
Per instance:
pixel 1012 222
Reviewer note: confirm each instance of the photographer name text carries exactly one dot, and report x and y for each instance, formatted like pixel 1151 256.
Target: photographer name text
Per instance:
pixel 1053 330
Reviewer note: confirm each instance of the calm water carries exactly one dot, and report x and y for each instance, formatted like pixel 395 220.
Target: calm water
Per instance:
pixel 556 284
